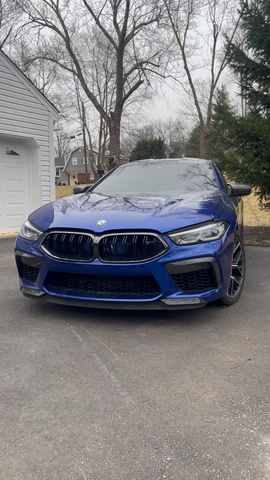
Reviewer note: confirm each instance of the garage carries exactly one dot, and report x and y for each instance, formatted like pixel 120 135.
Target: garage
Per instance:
pixel 14 186
pixel 26 147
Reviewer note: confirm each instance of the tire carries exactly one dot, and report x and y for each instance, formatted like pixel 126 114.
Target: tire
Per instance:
pixel 237 274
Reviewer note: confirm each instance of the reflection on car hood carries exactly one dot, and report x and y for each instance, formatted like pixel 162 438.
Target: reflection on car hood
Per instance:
pixel 161 212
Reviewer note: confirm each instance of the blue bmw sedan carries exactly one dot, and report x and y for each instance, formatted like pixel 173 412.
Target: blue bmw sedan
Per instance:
pixel 152 234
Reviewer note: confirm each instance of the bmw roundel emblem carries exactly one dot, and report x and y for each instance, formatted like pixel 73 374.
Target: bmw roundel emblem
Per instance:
pixel 101 223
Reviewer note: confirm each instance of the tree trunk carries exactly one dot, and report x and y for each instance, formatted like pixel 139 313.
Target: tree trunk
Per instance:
pixel 204 136
pixel 115 125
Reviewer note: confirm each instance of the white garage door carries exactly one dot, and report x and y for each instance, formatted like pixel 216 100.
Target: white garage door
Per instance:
pixel 14 186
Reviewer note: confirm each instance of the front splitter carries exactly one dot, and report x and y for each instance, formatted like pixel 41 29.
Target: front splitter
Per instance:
pixel 126 305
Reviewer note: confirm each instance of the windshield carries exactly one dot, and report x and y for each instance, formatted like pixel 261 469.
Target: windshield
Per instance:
pixel 168 175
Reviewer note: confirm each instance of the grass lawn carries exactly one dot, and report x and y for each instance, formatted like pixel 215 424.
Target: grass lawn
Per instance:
pixel 253 215
pixel 256 221
pixel 63 191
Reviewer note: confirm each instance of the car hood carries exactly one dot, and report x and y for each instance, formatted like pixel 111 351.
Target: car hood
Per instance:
pixel 160 212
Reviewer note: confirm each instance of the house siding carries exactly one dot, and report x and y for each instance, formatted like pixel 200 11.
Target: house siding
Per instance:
pixel 83 179
pixel 76 173
pixel 24 114
pixel 80 167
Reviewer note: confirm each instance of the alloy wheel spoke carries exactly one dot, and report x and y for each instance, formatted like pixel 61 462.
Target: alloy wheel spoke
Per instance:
pixel 232 286
pixel 238 257
pixel 239 269
pixel 237 273
pixel 235 280
pixel 236 247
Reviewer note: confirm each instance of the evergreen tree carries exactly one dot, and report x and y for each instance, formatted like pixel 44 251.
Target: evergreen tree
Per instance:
pixel 192 145
pixel 244 150
pixel 244 153
pixel 222 110
pixel 154 148
pixel 251 60
pixel 223 118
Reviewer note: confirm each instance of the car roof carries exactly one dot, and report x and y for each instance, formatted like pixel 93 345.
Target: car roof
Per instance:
pixel 169 160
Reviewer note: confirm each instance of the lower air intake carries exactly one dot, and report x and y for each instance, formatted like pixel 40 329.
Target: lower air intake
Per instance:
pixel 76 284
pixel 29 273
pixel 203 279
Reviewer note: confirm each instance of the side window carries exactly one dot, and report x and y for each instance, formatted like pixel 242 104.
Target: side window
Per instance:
pixel 74 161
pixel 11 152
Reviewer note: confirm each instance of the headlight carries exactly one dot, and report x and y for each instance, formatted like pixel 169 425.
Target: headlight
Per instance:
pixel 30 231
pixel 206 233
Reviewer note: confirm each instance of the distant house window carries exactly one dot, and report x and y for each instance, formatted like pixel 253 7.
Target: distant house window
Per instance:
pixel 92 176
pixel 12 152
pixel 58 172
pixel 84 161
pixel 74 161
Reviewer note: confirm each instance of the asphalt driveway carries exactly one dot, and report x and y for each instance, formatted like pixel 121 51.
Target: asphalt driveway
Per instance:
pixel 115 395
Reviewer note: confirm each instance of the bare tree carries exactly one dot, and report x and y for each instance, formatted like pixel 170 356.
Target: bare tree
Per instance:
pixel 42 73
pixel 127 26
pixel 199 27
pixel 9 27
pixel 101 76
pixel 61 140
pixel 67 94
pixel 171 131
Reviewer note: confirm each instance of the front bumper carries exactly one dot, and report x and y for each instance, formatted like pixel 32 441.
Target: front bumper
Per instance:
pixel 173 273
pixel 107 304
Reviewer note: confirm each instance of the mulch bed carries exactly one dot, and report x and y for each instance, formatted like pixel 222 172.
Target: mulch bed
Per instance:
pixel 257 236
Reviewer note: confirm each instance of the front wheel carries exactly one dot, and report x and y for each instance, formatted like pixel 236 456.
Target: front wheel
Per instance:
pixel 238 271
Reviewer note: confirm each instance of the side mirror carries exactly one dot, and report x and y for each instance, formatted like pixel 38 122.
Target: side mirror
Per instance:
pixel 239 189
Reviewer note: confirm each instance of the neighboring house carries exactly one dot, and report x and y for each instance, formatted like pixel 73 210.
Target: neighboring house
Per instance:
pixel 75 168
pixel 26 147
pixel 61 178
